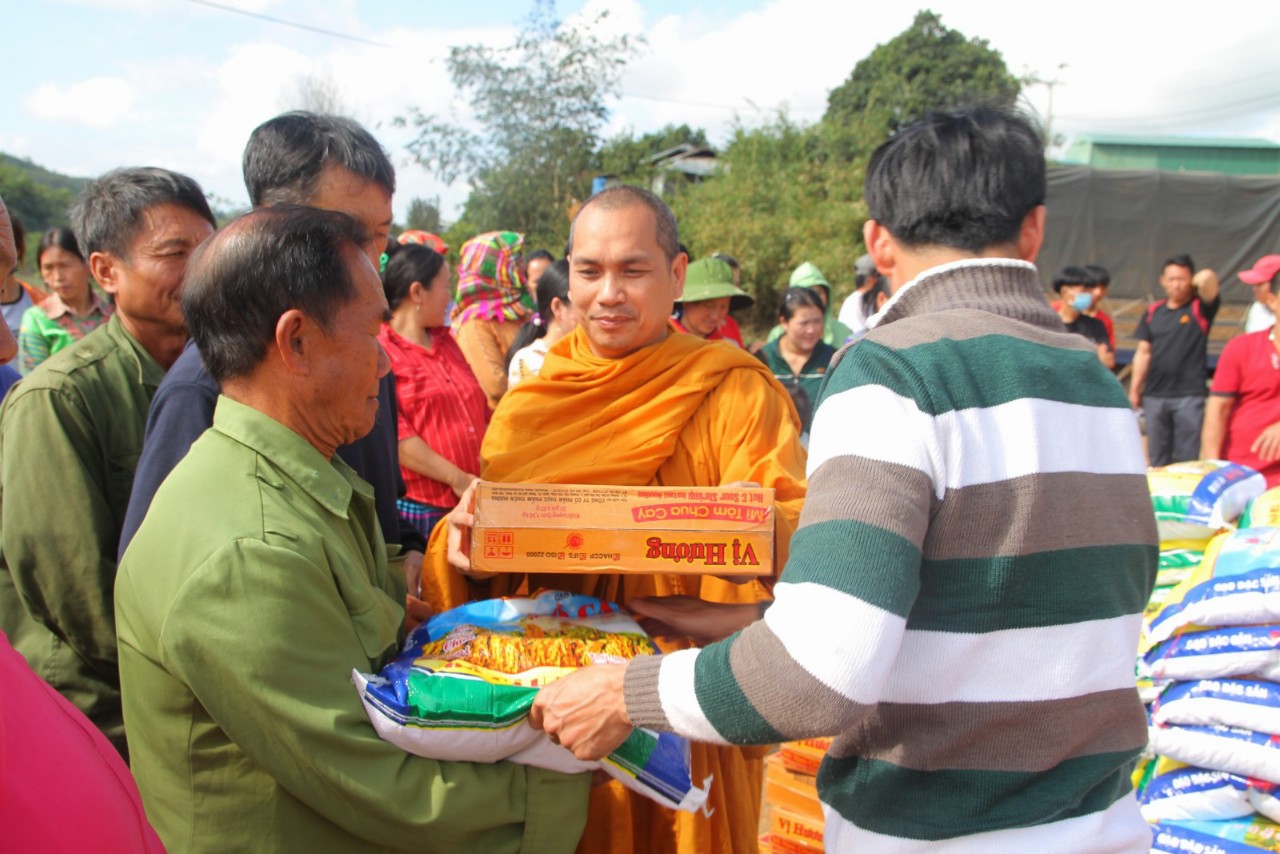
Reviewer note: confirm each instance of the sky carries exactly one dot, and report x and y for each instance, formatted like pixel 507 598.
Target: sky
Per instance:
pixel 95 84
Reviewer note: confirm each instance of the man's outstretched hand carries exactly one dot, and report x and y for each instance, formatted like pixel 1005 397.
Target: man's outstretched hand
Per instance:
pixel 585 711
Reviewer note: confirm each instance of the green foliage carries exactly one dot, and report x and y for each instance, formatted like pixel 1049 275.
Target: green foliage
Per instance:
pixel 927 66
pixel 424 214
pixel 783 199
pixel 540 104
pixel 627 156
pixel 37 204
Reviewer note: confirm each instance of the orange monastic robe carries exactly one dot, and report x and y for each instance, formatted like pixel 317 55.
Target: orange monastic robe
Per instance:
pixel 683 412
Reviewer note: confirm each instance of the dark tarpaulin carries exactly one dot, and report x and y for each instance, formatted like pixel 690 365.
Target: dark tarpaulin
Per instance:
pixel 1129 221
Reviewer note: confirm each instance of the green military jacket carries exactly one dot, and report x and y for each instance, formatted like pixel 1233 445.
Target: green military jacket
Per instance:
pixel 70 435
pixel 257 583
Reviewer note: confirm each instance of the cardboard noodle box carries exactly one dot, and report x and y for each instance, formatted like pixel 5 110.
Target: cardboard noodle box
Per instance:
pixel 645 529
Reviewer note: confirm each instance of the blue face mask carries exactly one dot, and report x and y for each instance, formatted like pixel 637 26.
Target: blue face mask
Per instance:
pixel 1082 301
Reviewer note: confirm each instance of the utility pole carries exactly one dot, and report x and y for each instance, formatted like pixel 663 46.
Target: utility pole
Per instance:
pixel 1034 79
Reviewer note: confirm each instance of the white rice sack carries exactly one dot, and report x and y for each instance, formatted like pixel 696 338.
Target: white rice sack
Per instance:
pixel 1193 500
pixel 1240 703
pixel 462 687
pixel 1234 651
pixel 1262 797
pixel 1181 792
pixel 1237 584
pixel 1219 748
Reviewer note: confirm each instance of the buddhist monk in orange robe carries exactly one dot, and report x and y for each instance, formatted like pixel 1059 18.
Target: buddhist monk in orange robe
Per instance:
pixel 626 400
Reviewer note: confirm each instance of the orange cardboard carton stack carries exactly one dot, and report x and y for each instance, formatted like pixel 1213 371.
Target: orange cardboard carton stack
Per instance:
pixel 573 528
pixel 791 805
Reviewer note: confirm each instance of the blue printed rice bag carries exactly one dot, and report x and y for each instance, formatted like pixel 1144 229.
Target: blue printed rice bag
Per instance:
pixel 466 679
pixel 1241 703
pixel 1233 651
pixel 1220 748
pixel 1234 836
pixel 1177 791
pixel 1193 500
pixel 1237 584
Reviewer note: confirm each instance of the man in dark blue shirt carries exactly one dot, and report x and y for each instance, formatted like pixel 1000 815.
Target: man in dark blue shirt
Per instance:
pixel 323 162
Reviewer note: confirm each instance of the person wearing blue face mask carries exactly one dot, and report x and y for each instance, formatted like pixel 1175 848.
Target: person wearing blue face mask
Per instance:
pixel 1073 286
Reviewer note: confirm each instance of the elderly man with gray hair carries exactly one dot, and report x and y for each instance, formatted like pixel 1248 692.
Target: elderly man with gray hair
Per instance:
pixel 259 580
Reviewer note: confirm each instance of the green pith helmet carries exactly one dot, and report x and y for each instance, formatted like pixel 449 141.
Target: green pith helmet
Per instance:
pixel 809 276
pixel 711 278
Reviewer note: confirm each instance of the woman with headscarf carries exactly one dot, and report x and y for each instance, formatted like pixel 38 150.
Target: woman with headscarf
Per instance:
pixel 492 303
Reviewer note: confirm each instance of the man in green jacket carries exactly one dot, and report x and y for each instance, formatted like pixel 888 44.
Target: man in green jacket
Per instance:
pixel 259 580
pixel 70 434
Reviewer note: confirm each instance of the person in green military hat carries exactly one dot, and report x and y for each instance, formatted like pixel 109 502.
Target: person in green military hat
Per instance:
pixel 709 296
pixel 809 276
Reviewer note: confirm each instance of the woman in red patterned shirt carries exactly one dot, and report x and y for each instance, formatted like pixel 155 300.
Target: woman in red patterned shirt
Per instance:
pixel 443 410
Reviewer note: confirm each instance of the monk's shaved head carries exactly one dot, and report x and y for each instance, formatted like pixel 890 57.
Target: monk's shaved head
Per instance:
pixel 624 195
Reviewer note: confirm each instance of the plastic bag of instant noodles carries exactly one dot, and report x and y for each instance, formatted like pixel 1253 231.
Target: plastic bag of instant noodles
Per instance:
pixel 463 685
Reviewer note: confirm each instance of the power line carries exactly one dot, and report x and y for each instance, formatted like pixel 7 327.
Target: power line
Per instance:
pixel 283 22
pixel 705 105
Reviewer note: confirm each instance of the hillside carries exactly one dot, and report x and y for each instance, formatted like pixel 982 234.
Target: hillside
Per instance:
pixel 38 197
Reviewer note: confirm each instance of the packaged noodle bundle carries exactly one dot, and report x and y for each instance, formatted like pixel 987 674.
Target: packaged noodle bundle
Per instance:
pixel 1234 651
pixel 1193 500
pixel 1247 835
pixel 1263 511
pixel 465 682
pixel 1242 703
pixel 1237 584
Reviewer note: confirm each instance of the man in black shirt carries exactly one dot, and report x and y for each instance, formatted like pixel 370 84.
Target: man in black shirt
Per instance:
pixel 1074 286
pixel 1170 363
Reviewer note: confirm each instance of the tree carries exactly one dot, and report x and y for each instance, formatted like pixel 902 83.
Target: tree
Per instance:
pixel 316 92
pixel 782 200
pixel 927 66
pixel 425 214
pixel 627 156
pixel 540 104
pixel 36 204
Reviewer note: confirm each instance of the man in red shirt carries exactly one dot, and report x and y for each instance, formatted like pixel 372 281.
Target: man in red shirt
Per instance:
pixel 1242 416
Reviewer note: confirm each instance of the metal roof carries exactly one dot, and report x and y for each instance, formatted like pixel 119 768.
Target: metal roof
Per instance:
pixel 1175 141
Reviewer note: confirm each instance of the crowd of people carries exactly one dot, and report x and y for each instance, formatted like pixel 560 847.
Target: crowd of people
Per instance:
pixel 257 473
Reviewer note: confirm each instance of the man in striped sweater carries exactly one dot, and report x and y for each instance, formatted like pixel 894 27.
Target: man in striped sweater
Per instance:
pixel 962 600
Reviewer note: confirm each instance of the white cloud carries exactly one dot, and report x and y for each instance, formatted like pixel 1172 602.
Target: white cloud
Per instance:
pixel 99 102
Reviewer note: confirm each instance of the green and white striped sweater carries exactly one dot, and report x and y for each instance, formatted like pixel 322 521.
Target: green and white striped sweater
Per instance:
pixel 963 597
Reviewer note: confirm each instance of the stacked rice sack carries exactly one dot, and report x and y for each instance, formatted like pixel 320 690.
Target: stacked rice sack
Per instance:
pixel 792 811
pixel 466 679
pixel 1209 663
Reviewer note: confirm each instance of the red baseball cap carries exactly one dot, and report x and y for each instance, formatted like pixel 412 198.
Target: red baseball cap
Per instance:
pixel 1263 271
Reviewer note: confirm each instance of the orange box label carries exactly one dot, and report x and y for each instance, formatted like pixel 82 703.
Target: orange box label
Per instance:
pixel 580 528
pixel 799 828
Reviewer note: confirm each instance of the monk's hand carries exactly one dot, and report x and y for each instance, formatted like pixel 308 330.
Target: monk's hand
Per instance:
pixel 1267 445
pixel 413 573
pixel 416 612
pixel 459 522
pixel 585 711
pixel 690 617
